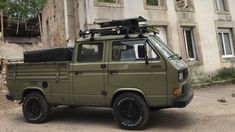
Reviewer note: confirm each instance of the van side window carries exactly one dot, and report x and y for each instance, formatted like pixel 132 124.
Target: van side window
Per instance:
pixel 131 51
pixel 90 52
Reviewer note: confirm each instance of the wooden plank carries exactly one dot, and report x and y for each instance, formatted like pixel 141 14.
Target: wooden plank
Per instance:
pixel 2 26
pixel 40 26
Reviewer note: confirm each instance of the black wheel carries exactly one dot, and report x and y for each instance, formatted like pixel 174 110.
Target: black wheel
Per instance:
pixel 131 111
pixel 35 108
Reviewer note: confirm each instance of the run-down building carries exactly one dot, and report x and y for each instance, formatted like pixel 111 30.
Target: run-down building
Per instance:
pixel 16 36
pixel 202 31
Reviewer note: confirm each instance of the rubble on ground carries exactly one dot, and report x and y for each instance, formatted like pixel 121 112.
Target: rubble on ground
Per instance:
pixel 222 100
pixel 3 88
pixel 3 74
pixel 233 94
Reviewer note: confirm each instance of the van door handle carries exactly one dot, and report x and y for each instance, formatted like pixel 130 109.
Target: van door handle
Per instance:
pixel 103 66
pixel 113 72
pixel 77 72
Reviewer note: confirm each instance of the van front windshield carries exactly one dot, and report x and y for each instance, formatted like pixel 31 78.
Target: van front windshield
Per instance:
pixel 162 47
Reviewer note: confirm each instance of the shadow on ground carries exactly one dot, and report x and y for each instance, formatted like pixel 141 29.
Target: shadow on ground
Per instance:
pixel 169 119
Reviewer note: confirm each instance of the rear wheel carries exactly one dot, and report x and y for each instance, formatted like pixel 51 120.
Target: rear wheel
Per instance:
pixel 131 111
pixel 35 108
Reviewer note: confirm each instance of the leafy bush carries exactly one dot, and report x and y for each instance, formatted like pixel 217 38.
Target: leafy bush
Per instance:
pixel 21 9
pixel 226 73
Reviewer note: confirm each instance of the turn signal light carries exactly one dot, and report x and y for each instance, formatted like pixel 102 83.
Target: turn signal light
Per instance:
pixel 177 92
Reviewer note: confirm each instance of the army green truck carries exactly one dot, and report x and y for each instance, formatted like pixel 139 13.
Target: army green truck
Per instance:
pixel 131 74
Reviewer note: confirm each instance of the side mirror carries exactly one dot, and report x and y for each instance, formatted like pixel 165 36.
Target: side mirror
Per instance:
pixel 142 53
pixel 180 58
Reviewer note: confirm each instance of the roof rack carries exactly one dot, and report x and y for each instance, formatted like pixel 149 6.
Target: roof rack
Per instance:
pixel 120 27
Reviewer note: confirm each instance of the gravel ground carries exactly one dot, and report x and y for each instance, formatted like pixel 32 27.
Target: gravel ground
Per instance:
pixel 204 114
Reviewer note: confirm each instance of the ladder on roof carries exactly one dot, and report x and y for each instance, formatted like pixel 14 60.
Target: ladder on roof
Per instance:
pixel 120 27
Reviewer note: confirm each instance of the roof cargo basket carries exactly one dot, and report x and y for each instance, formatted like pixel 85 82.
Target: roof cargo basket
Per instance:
pixel 122 22
pixel 120 27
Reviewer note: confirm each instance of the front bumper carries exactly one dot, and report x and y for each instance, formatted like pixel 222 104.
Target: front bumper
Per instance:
pixel 185 98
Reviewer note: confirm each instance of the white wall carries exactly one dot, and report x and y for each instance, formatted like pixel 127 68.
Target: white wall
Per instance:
pixel 203 18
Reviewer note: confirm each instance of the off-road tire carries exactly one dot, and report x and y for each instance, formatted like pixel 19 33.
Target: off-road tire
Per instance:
pixel 35 108
pixel 130 111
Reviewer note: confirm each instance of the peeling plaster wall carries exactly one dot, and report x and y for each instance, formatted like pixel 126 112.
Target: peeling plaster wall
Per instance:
pixel 202 17
pixel 53 24
pixel 60 20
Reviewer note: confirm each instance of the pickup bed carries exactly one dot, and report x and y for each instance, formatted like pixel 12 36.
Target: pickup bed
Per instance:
pixel 24 77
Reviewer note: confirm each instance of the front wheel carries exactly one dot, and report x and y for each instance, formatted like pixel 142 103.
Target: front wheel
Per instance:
pixel 35 108
pixel 131 111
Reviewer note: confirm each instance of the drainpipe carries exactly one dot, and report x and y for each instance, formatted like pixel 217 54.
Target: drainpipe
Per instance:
pixel 85 6
pixel 69 22
pixel 2 26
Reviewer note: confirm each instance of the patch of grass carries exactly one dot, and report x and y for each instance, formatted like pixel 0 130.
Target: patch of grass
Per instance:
pixel 226 73
pixel 223 74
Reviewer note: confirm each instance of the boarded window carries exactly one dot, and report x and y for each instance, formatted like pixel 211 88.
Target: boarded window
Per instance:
pixel 184 5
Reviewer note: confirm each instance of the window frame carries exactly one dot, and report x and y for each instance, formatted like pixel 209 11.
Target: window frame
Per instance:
pixel 186 43
pixel 160 3
pixel 117 4
pixel 90 43
pixel 150 59
pixel 108 2
pixel 229 32
pixel 162 6
pixel 165 35
pixel 226 6
pixel 190 9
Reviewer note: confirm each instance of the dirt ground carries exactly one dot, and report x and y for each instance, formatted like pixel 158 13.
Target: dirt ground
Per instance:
pixel 204 114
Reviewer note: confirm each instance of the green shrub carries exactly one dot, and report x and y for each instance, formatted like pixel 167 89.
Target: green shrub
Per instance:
pixel 226 73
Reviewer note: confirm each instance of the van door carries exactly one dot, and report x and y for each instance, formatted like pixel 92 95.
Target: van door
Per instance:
pixel 127 69
pixel 88 74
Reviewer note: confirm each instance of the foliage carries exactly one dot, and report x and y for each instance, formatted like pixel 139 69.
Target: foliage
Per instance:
pixel 21 9
pixel 223 74
pixel 226 73
pixel 153 2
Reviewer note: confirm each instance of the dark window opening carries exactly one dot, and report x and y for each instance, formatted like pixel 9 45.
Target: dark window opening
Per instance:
pixel 90 52
pixel 132 50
